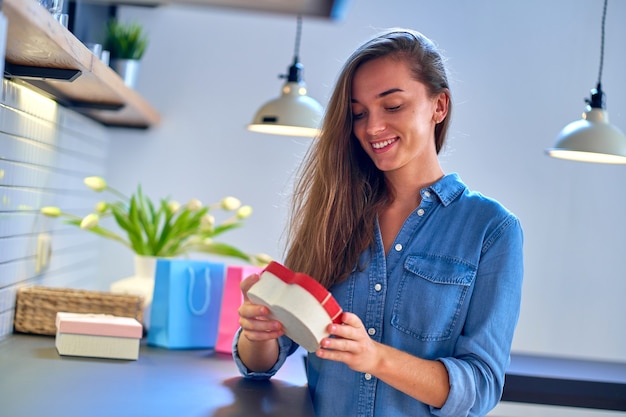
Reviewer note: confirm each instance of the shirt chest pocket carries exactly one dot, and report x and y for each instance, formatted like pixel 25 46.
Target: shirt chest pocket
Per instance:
pixel 431 296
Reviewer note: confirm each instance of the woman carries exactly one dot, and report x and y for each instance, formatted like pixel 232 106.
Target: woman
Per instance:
pixel 428 273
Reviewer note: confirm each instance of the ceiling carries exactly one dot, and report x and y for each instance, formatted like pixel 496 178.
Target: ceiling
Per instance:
pixel 329 9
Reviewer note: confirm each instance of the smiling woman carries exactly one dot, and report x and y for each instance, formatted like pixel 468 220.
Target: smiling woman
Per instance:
pixel 427 272
pixel 394 116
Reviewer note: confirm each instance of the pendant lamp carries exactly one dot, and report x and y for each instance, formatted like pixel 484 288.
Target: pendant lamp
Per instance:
pixel 593 138
pixel 293 113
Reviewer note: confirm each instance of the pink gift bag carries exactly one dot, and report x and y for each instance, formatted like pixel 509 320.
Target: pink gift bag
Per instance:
pixel 231 301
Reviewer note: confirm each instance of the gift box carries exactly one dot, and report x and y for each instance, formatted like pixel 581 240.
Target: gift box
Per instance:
pixel 303 306
pixel 98 336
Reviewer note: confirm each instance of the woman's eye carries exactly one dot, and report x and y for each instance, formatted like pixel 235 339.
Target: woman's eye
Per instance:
pixel 394 108
pixel 357 116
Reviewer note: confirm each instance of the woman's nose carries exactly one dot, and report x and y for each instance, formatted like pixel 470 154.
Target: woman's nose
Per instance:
pixel 375 124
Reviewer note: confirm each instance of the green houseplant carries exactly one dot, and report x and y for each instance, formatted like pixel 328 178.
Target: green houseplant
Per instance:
pixel 125 40
pixel 126 43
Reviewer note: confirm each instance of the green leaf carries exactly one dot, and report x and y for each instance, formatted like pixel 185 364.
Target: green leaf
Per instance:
pixel 226 227
pixel 165 229
pixel 146 219
pixel 135 223
pixel 223 249
pixel 121 217
pixel 98 230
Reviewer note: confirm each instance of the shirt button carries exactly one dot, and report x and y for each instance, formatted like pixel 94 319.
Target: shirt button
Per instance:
pixel 371 331
pixel 368 376
pixel 420 212
pixel 378 287
pixel 398 247
pixel 426 193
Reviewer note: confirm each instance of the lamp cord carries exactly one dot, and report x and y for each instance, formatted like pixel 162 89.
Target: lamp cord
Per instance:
pixel 296 51
pixel 602 43
pixel 295 70
pixel 597 100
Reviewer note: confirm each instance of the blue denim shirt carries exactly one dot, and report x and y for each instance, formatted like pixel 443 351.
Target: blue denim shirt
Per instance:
pixel 448 290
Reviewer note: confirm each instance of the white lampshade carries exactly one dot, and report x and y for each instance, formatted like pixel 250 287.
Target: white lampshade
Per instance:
pixel 591 139
pixel 292 114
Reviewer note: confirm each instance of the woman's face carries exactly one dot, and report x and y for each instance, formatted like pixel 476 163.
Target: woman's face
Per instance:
pixel 393 115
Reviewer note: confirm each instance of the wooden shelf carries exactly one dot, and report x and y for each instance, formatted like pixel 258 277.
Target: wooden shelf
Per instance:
pixel 325 9
pixel 35 39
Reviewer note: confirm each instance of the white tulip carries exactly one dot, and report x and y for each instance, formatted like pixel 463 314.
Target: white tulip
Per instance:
pixel 173 206
pixel 89 221
pixel 244 212
pixel 102 206
pixel 51 211
pixel 207 221
pixel 194 204
pixel 230 203
pixel 95 183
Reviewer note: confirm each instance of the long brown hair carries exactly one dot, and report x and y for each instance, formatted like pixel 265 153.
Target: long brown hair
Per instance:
pixel 339 190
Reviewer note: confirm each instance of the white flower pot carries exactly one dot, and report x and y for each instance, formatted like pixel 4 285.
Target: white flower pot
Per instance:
pixel 128 69
pixel 141 283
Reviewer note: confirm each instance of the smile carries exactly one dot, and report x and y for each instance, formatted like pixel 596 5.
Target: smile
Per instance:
pixel 383 143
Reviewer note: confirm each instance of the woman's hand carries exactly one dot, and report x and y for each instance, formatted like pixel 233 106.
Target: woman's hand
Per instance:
pixel 350 344
pixel 424 380
pixel 253 318
pixel 257 344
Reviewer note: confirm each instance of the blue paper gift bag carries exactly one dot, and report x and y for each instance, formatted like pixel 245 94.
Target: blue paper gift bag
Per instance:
pixel 186 304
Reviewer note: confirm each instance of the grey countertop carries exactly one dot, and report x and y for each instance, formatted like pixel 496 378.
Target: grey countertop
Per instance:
pixel 36 381
pixel 571 382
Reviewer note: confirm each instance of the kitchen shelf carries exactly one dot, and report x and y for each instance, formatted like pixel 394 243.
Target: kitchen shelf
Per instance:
pixel 42 52
pixel 325 9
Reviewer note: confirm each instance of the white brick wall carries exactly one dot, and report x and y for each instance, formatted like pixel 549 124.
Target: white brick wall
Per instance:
pixel 45 152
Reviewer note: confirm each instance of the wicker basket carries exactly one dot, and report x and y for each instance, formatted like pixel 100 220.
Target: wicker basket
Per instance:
pixel 36 307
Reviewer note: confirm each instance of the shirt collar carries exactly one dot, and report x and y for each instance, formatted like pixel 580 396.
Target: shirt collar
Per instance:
pixel 448 188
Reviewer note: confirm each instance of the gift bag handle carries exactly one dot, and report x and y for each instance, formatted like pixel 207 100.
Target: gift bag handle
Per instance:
pixel 192 284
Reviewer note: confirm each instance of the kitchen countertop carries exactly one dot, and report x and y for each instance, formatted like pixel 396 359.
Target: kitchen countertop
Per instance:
pixel 36 381
pixel 572 382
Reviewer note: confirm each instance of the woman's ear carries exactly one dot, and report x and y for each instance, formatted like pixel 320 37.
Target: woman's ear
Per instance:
pixel 441 107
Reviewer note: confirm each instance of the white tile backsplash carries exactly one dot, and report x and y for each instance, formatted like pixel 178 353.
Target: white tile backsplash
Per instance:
pixel 45 152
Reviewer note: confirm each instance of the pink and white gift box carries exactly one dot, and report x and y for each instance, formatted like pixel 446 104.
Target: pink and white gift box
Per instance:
pixel 98 336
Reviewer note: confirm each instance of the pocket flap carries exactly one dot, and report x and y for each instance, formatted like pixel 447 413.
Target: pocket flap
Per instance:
pixel 440 269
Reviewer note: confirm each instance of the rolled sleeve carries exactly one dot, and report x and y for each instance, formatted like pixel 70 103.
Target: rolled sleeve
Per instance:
pixel 462 389
pixel 286 347
pixel 482 354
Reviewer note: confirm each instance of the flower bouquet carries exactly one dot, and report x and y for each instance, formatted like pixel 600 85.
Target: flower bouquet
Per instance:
pixel 164 229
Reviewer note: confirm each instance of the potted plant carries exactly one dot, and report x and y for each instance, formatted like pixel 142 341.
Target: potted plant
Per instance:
pixel 126 43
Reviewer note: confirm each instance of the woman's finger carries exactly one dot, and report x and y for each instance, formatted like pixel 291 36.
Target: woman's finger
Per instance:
pixel 248 282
